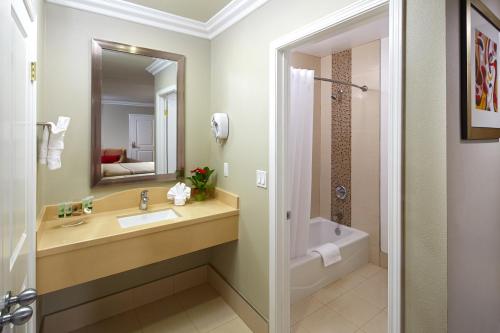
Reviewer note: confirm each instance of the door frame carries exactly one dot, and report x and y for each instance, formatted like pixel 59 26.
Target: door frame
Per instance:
pixel 279 273
pixel 161 128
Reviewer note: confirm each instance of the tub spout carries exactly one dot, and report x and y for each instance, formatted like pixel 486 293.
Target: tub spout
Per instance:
pixel 337 218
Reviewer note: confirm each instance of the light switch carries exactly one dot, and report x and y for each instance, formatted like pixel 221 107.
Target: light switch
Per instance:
pixel 226 169
pixel 261 179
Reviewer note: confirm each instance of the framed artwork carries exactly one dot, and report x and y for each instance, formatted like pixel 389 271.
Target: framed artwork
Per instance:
pixel 480 87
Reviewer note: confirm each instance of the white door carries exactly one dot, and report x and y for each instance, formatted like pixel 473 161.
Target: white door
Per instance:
pixel 141 137
pixel 17 169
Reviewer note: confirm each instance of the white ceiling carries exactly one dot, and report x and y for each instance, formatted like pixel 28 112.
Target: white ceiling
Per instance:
pixel 126 65
pixel 348 37
pixel 200 10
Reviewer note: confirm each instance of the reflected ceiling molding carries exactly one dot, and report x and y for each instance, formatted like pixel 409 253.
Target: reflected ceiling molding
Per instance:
pixel 158 65
pixel 233 12
pixel 110 101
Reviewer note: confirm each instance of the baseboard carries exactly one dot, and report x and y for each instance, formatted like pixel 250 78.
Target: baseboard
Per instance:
pixel 242 308
pixel 92 312
pixel 109 306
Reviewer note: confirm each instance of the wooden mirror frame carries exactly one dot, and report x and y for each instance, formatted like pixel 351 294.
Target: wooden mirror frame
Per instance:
pixel 95 167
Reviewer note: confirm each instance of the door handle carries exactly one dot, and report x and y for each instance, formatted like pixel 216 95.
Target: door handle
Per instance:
pixel 26 297
pixel 19 317
pixel 134 145
pixel 22 314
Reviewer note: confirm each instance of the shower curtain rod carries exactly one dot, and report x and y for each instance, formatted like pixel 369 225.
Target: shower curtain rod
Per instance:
pixel 363 88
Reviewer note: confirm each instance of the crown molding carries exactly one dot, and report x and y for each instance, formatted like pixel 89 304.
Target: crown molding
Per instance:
pixel 158 65
pixel 233 12
pixel 138 14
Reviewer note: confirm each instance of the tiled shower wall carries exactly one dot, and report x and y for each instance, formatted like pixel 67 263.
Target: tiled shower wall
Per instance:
pixel 355 141
pixel 341 135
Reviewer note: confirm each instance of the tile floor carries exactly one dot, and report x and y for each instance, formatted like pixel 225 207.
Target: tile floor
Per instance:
pixel 196 310
pixel 356 303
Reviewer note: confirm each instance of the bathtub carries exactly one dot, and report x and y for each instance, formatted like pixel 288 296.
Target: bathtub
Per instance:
pixel 307 273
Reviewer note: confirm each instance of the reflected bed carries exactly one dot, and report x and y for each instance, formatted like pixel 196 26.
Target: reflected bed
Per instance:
pixel 128 169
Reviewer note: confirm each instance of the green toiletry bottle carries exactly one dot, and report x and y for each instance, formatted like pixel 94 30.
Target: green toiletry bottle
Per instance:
pixel 68 211
pixel 61 209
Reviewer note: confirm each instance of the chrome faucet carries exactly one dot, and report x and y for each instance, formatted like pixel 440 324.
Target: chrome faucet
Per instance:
pixel 144 200
pixel 337 218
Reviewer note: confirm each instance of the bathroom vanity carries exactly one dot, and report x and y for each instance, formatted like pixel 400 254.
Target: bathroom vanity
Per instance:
pixel 79 249
pixel 137 134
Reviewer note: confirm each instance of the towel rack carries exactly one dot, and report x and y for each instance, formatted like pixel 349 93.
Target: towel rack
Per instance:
pixel 44 124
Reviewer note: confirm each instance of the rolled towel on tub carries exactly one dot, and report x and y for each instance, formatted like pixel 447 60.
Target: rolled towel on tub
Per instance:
pixel 330 253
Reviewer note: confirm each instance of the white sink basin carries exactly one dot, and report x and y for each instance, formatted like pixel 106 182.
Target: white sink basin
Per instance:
pixel 146 218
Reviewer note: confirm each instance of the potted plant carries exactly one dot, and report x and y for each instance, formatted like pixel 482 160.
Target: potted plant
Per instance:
pixel 200 178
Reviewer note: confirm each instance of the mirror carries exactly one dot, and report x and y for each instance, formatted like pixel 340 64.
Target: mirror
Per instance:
pixel 137 113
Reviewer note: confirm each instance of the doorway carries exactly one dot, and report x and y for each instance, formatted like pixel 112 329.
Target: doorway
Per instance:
pixel 280 105
pixel 141 138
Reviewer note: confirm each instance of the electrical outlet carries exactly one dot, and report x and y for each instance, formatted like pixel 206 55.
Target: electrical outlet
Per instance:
pixel 226 169
pixel 261 179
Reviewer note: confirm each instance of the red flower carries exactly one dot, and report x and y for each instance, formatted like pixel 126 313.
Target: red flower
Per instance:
pixel 198 170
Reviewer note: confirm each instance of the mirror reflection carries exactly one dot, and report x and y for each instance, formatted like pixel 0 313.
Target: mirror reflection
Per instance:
pixel 138 115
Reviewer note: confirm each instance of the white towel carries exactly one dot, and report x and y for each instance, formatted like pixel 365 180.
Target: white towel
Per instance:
pixel 179 193
pixel 44 146
pixel 56 143
pixel 330 253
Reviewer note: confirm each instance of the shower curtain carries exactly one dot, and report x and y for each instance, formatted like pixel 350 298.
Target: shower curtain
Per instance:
pixel 300 136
